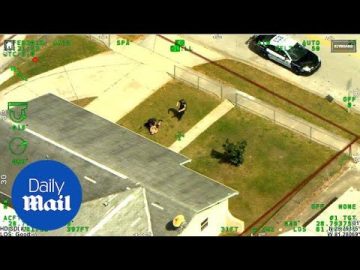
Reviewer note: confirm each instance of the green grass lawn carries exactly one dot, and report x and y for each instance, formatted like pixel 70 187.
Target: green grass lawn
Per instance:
pixel 276 160
pixel 51 56
pixel 157 105
pixel 304 198
pixel 331 111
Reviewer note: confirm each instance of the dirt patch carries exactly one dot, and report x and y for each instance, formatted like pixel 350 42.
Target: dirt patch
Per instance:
pixel 83 101
pixel 132 38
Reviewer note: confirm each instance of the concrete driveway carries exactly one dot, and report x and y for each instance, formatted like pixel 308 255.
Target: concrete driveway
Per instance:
pixel 121 78
pixel 338 74
pixel 155 64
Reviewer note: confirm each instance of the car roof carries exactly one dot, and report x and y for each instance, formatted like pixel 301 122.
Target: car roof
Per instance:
pixel 282 40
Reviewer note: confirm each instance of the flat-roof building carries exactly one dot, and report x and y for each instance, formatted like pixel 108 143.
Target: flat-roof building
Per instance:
pixel 131 185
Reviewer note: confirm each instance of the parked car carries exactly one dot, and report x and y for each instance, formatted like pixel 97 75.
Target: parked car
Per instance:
pixel 286 52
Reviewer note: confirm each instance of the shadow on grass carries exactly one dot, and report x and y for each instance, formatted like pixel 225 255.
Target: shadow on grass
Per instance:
pixel 174 112
pixel 217 155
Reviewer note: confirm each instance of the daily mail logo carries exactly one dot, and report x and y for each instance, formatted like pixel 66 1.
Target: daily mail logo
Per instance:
pixel 37 203
pixel 343 46
pixel 46 195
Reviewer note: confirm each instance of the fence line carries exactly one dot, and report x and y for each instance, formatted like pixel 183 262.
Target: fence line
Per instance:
pixel 261 109
pixel 101 38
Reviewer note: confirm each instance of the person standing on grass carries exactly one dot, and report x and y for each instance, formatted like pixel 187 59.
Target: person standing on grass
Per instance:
pixel 182 106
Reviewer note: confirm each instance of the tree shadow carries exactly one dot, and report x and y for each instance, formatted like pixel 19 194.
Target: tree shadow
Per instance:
pixel 217 155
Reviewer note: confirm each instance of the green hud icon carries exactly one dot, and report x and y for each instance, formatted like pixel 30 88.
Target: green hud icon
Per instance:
pixel 17 145
pixel 5 204
pixel 17 111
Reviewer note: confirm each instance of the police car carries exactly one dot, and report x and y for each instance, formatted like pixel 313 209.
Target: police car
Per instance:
pixel 287 52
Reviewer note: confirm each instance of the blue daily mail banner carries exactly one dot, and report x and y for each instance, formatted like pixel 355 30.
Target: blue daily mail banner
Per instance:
pixel 46 195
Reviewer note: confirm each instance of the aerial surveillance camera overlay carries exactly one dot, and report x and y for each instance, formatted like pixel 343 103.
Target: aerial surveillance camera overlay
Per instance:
pixel 179 135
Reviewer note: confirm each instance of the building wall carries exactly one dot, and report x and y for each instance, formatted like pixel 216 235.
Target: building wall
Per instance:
pixel 218 216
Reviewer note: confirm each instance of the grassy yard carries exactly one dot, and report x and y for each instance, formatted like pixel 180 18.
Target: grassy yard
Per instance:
pixel 276 160
pixel 83 101
pixel 304 198
pixel 331 111
pixel 51 56
pixel 157 105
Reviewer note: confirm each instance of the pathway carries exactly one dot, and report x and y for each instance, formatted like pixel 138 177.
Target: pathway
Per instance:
pixel 223 108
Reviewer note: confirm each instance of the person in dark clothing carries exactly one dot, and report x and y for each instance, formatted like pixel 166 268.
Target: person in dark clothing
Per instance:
pixel 153 125
pixel 151 122
pixel 182 106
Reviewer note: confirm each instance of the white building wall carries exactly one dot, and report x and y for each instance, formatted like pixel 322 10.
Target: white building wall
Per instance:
pixel 218 216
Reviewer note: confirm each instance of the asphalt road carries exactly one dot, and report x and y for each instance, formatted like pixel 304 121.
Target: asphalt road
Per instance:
pixel 338 74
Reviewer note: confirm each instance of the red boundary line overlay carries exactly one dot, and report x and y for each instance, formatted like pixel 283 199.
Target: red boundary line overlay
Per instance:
pixel 312 175
pixel 265 89
pixel 301 185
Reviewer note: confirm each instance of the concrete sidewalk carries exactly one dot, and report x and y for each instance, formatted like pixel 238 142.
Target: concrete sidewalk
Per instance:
pixel 7 74
pixel 265 110
pixel 84 78
pixel 121 79
pixel 155 65
pixel 223 108
pixel 127 93
pixel 338 73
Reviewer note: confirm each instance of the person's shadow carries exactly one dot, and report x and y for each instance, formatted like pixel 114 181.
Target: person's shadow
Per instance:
pixel 174 112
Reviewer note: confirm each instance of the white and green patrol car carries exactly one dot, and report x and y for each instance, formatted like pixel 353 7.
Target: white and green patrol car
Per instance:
pixel 286 52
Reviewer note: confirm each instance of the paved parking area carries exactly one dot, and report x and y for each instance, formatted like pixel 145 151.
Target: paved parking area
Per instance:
pixel 337 75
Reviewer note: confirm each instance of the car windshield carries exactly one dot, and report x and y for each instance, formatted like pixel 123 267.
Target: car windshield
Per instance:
pixel 297 52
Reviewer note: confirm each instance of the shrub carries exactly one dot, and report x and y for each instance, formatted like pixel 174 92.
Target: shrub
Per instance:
pixel 234 153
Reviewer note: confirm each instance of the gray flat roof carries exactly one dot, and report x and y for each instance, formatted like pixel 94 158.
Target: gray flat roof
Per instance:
pixel 127 218
pixel 38 149
pixel 116 158
pixel 107 184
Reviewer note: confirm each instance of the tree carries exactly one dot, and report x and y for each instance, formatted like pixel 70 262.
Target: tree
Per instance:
pixel 234 153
